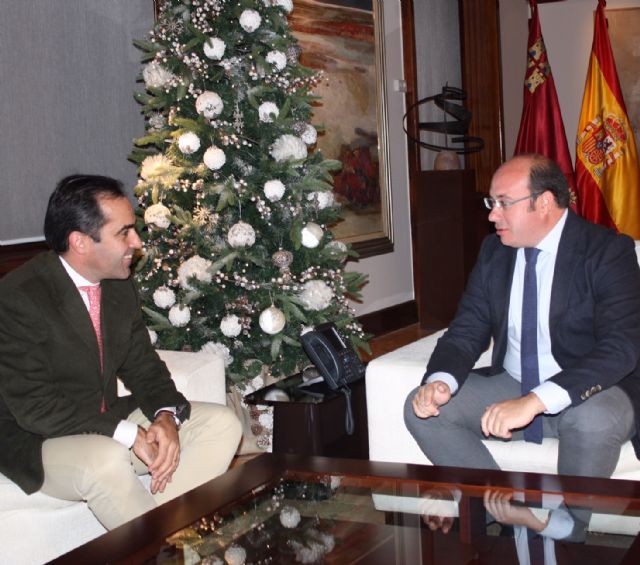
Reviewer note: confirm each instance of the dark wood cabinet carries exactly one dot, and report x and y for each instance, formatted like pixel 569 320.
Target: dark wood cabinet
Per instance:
pixel 450 224
pixel 311 421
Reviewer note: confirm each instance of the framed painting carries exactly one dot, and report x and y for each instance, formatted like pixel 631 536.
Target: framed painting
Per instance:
pixel 345 40
pixel 624 24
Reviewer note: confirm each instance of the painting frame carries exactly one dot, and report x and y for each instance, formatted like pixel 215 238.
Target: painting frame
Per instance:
pixel 366 243
pixel 627 58
pixel 376 238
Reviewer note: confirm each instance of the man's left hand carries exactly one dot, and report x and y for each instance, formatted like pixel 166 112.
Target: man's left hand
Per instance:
pixel 499 419
pixel 164 434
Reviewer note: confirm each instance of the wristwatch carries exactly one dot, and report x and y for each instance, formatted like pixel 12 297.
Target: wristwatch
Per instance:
pixel 176 419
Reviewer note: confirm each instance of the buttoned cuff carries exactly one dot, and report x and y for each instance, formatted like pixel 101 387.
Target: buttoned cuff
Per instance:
pixel 553 396
pixel 126 433
pixel 445 378
pixel 559 526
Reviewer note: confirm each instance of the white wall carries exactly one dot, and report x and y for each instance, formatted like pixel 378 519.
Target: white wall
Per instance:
pixel 567 28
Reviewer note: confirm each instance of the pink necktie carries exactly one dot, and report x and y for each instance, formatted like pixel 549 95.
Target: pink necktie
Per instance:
pixel 94 292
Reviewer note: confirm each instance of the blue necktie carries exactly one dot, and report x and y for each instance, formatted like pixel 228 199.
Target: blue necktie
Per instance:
pixel 530 377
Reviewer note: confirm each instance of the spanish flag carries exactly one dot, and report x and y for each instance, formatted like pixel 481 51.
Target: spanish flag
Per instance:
pixel 541 128
pixel 607 171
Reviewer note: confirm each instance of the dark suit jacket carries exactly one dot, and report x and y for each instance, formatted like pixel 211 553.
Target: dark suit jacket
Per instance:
pixel 594 317
pixel 51 384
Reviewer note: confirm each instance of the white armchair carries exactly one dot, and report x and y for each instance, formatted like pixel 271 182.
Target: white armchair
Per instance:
pixel 37 528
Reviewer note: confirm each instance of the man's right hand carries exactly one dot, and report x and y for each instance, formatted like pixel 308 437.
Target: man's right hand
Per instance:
pixel 429 398
pixel 145 451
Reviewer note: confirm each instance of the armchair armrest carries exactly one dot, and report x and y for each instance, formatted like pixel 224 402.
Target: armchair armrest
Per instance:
pixel 200 376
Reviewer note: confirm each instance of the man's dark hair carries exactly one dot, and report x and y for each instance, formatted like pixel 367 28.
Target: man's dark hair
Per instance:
pixel 545 174
pixel 74 206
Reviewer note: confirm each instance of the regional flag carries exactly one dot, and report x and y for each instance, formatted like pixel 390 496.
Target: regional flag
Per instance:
pixel 541 127
pixel 607 170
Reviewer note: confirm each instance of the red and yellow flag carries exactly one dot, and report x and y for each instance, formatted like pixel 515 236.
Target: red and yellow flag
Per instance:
pixel 541 128
pixel 607 171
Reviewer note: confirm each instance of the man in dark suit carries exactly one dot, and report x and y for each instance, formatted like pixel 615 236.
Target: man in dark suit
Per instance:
pixel 586 339
pixel 70 324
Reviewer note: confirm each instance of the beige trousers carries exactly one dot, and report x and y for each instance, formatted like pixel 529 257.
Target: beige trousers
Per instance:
pixel 102 472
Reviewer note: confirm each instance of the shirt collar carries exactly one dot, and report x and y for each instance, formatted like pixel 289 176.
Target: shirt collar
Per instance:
pixel 550 242
pixel 76 277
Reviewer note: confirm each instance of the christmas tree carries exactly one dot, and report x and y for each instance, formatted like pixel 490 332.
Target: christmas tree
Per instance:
pixel 235 204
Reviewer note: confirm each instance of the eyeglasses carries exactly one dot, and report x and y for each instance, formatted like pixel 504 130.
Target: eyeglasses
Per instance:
pixel 491 203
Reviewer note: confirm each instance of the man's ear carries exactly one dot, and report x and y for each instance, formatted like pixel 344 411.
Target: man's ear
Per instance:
pixel 78 242
pixel 545 201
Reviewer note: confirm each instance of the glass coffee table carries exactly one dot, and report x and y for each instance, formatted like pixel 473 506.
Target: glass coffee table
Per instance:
pixel 279 509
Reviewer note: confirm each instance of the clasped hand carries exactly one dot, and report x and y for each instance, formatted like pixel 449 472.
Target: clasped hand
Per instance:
pixel 159 448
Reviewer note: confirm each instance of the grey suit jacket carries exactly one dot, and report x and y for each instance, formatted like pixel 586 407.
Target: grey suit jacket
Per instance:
pixel 51 382
pixel 594 317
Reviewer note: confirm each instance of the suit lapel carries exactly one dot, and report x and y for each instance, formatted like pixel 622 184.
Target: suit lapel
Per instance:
pixel 71 307
pixel 570 253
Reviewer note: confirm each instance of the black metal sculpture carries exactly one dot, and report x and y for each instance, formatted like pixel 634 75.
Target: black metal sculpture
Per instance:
pixel 457 127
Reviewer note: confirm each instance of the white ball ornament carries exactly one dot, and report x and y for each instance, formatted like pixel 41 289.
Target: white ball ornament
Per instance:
pixel 214 48
pixel 241 235
pixel 312 235
pixel 230 326
pixel 316 295
pixel 189 143
pixel 268 111
pixel 274 190
pixel 271 320
pixel 309 135
pixel 209 104
pixel 337 250
pixel 278 59
pixel 214 158
pixel 250 20
pixel 287 5
pixel 197 267
pixel 235 555
pixel 324 198
pixel 179 315
pixel 164 297
pixel 287 147
pixel 289 517
pixel 158 215
pixel 156 76
pixel 282 259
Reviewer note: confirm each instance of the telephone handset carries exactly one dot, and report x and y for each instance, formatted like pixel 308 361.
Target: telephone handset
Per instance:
pixel 337 362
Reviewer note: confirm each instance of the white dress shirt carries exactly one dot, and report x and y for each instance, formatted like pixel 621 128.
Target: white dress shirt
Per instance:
pixel 554 397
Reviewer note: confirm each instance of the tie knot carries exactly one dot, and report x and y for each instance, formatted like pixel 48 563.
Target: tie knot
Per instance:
pixel 92 291
pixel 531 254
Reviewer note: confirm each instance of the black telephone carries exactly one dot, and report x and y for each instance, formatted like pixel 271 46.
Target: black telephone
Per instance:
pixel 337 362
